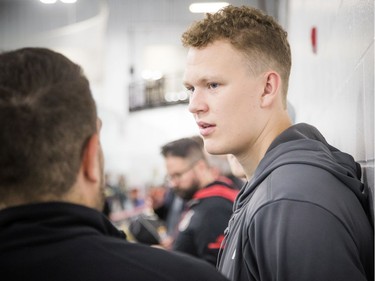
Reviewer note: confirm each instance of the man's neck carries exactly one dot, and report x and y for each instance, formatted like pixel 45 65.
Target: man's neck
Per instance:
pixel 251 159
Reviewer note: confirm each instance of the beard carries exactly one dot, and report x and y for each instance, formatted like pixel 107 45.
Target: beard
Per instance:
pixel 187 194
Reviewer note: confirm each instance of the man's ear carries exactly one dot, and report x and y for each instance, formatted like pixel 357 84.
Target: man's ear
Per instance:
pixel 272 88
pixel 90 162
pixel 199 166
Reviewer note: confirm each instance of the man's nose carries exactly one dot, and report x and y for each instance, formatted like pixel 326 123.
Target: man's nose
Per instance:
pixel 197 102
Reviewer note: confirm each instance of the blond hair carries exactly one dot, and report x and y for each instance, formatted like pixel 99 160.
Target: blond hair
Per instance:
pixel 258 36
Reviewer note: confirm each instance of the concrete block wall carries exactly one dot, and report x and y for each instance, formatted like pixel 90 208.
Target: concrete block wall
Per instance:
pixel 333 86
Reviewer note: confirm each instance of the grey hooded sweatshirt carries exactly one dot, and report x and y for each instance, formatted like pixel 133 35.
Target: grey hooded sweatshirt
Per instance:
pixel 303 216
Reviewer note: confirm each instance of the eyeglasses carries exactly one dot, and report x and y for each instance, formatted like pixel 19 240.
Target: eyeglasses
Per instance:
pixel 178 176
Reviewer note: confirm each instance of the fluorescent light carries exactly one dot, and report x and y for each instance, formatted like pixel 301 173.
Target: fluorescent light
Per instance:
pixel 211 7
pixel 48 1
pixel 54 1
pixel 151 75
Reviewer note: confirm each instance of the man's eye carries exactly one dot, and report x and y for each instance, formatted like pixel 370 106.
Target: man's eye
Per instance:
pixel 213 85
pixel 190 90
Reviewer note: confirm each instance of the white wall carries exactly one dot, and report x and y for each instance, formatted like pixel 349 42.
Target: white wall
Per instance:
pixel 333 88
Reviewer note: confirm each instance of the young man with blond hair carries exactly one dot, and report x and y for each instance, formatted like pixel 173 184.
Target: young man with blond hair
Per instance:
pixel 304 213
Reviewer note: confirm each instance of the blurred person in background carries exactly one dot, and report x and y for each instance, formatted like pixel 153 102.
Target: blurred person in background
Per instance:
pixel 135 198
pixel 168 207
pixel 210 200
pixel 115 197
pixel 52 183
pixel 236 168
pixel 221 167
pixel 304 213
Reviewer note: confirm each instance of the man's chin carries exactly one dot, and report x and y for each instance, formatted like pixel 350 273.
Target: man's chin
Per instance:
pixel 188 194
pixel 184 195
pixel 212 148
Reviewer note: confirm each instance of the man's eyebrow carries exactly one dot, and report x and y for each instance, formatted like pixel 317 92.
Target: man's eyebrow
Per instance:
pixel 200 81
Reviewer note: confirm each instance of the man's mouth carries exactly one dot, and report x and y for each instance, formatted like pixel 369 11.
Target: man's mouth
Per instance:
pixel 205 129
pixel 204 125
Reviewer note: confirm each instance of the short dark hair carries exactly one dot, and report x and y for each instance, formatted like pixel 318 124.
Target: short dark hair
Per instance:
pixel 47 114
pixel 256 35
pixel 187 148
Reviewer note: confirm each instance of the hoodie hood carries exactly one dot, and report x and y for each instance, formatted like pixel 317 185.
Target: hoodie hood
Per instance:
pixel 304 144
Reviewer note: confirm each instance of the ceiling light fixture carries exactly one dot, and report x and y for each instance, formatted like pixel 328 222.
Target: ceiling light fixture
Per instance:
pixel 54 1
pixel 48 1
pixel 211 7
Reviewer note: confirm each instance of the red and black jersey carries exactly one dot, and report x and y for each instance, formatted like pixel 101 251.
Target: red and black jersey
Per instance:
pixel 201 229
